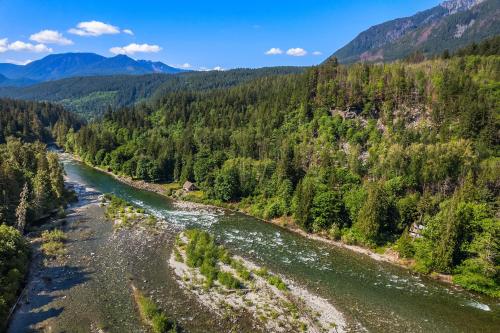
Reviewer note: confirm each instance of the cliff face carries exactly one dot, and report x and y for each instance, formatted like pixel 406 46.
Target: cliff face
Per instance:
pixel 451 25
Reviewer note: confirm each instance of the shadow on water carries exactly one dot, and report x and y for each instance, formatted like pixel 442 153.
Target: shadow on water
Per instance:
pixel 43 290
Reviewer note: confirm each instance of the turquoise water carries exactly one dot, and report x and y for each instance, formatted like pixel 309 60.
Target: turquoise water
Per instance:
pixel 375 296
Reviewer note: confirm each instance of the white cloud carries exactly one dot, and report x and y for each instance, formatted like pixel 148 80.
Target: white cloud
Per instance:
pixel 296 52
pixel 185 65
pixel 317 53
pixel 218 68
pixel 19 46
pixel 28 47
pixel 3 45
pixel 274 51
pixel 94 29
pixel 18 62
pixel 135 48
pixel 128 32
pixel 50 37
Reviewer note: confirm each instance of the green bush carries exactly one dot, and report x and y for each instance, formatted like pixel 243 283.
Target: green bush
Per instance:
pixel 404 246
pixel 277 282
pixel 55 235
pixel 228 280
pixel 14 256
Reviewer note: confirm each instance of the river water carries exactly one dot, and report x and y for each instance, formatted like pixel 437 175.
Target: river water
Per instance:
pixel 375 296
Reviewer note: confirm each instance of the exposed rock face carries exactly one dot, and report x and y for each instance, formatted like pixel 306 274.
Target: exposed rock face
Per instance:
pixel 455 6
pixel 451 25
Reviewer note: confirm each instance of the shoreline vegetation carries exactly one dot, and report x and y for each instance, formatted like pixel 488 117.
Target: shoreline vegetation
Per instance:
pixel 389 255
pixel 152 315
pixel 124 214
pixel 230 285
pixel 375 155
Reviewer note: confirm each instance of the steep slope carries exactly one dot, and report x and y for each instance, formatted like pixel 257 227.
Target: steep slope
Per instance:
pixel 58 66
pixel 451 25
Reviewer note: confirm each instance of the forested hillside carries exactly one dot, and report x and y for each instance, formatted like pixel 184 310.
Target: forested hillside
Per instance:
pixel 31 183
pixel 91 96
pixel 33 121
pixel 365 153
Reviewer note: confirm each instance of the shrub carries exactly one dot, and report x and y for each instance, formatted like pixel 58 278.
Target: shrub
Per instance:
pixel 228 280
pixel 334 232
pixel 277 282
pixel 153 315
pixel 55 235
pixel 404 245
pixel 53 249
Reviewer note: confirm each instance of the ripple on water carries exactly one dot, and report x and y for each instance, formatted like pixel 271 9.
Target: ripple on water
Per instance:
pixel 478 305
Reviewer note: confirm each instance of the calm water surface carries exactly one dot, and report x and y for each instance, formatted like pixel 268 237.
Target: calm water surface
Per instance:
pixel 378 296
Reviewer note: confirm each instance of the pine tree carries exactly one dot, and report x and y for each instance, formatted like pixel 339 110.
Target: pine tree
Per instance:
pixel 22 209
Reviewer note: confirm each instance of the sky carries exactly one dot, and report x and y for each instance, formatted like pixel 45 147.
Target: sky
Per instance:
pixel 193 34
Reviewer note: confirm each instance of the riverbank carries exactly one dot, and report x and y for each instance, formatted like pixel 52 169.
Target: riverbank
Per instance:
pixel 87 288
pixel 275 302
pixel 389 256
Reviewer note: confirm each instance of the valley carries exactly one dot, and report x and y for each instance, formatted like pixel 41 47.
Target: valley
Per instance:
pixel 256 172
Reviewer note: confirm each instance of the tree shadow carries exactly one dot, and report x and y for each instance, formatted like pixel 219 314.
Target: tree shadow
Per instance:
pixel 43 289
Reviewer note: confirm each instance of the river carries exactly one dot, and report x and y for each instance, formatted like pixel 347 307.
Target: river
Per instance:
pixel 375 296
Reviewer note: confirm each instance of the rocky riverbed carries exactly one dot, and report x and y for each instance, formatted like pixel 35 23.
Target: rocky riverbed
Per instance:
pixel 88 289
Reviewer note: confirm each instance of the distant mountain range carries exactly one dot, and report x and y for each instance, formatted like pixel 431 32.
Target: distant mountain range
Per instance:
pixel 449 26
pixel 58 66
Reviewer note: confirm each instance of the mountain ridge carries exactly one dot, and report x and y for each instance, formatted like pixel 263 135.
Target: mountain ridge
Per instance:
pixel 450 25
pixel 65 65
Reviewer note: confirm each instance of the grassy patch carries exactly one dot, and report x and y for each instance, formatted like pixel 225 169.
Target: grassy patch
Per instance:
pixel 153 316
pixel 53 243
pixel 126 214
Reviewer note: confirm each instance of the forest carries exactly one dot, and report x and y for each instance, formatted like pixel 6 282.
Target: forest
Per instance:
pixel 31 184
pixel 91 96
pixel 401 155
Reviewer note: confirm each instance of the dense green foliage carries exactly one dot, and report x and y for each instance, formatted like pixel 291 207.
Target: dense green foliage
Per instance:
pixel 31 183
pixel 31 179
pixel 203 253
pixel 14 257
pixel 33 121
pixel 92 96
pixel 488 47
pixel 360 152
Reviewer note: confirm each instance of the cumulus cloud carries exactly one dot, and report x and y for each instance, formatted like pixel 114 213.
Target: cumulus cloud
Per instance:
pixel 317 53
pixel 18 62
pixel 218 68
pixel 3 45
pixel 94 29
pixel 135 48
pixel 274 51
pixel 50 37
pixel 128 32
pixel 185 65
pixel 28 47
pixel 296 52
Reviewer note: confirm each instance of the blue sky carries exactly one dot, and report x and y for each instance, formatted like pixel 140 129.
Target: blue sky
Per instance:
pixel 201 34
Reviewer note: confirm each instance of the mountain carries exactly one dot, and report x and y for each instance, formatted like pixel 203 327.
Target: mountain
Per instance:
pixel 448 26
pixel 58 66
